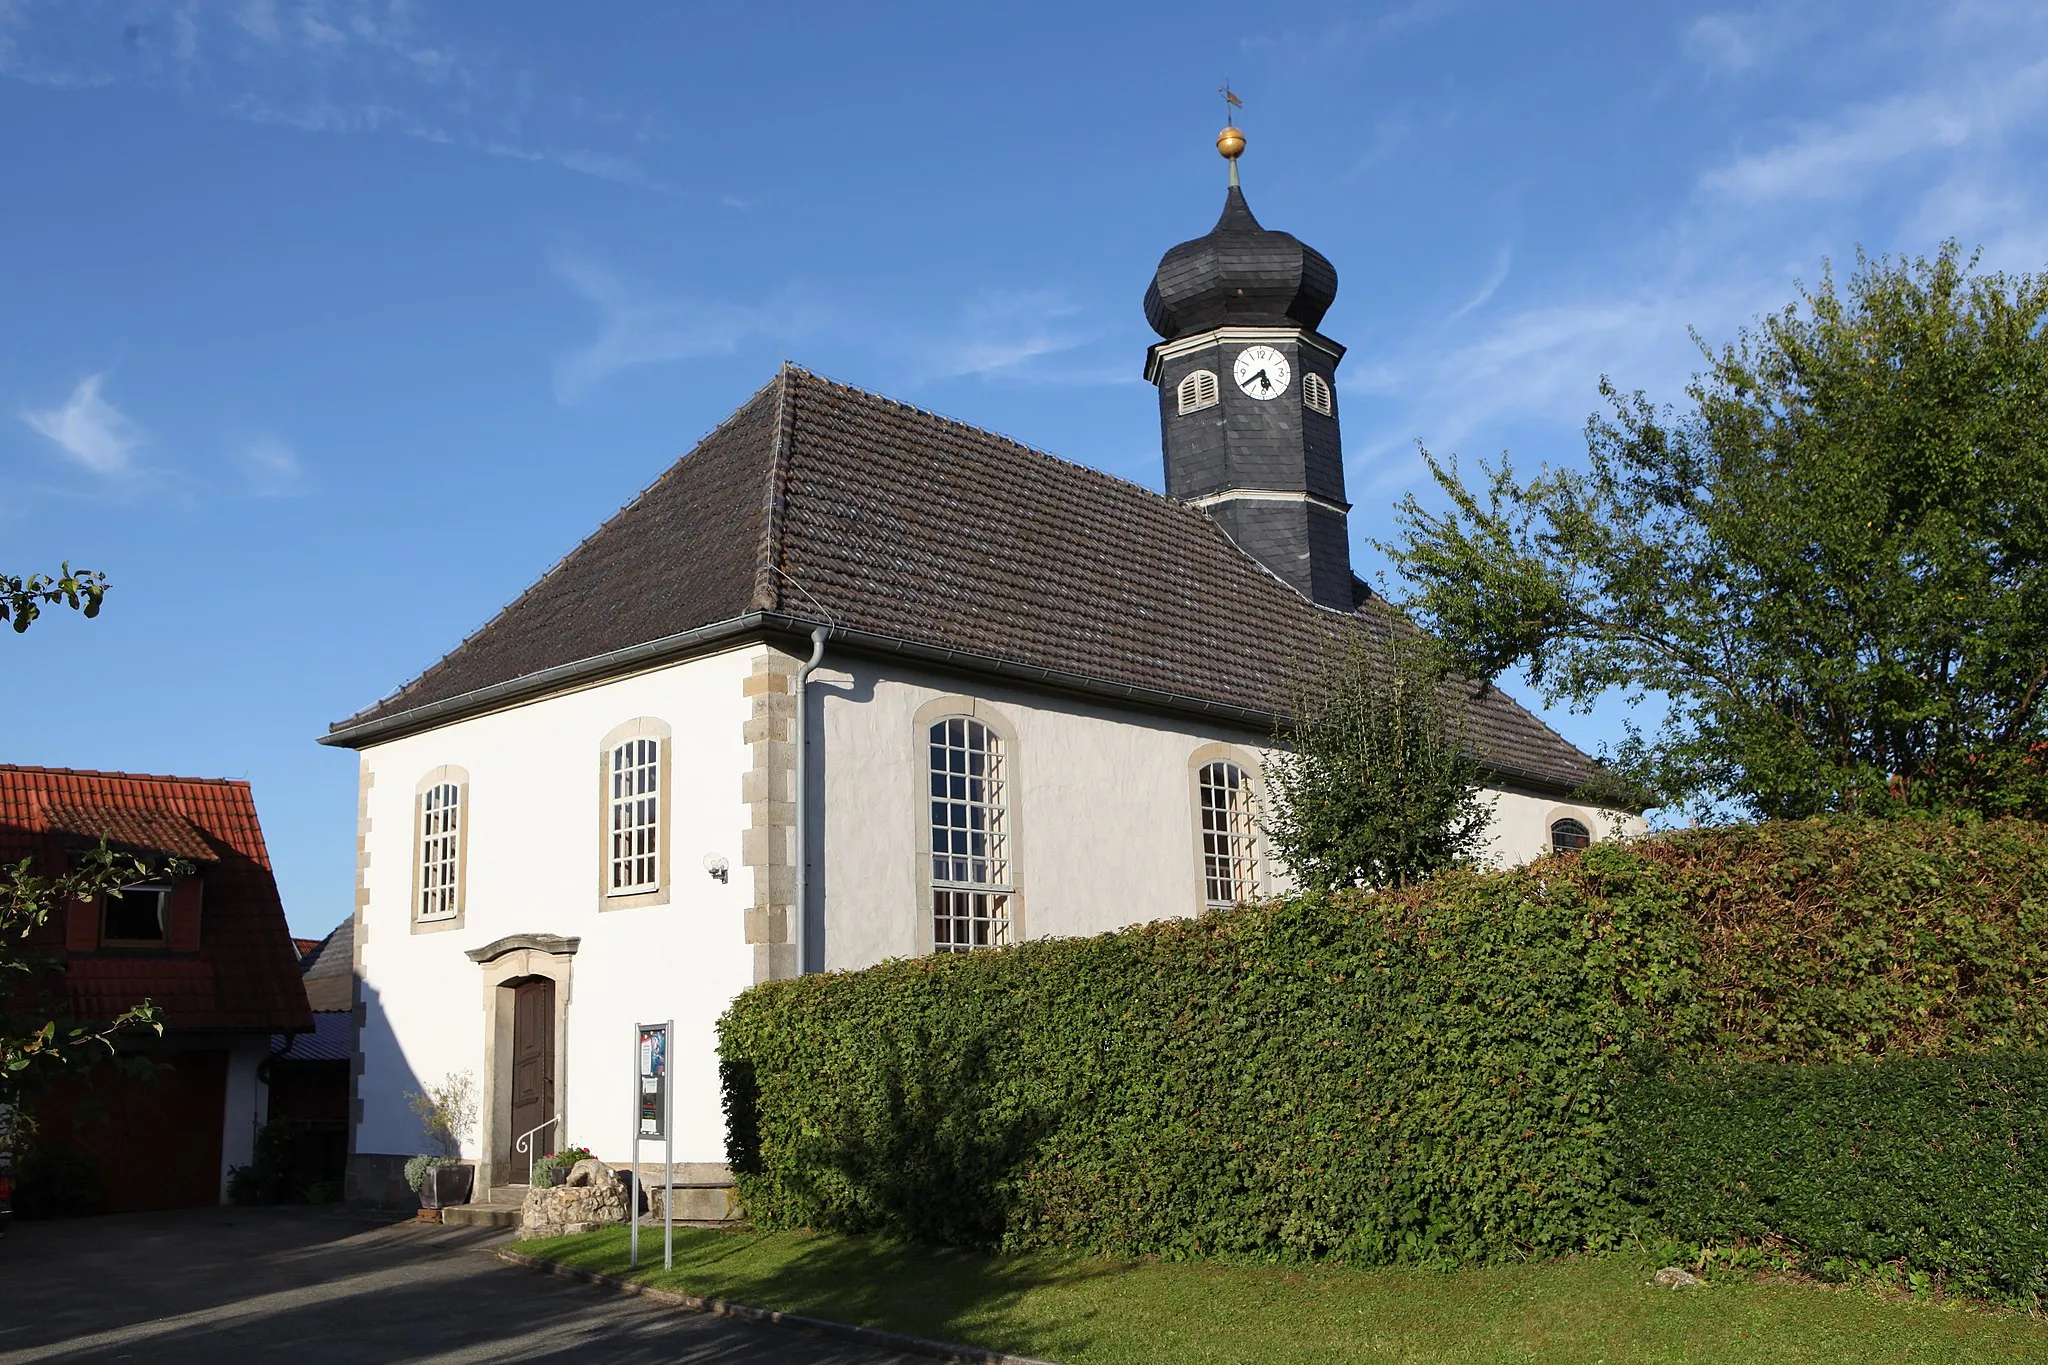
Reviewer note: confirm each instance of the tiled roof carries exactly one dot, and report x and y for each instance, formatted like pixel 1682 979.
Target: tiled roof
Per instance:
pixel 833 505
pixel 329 970
pixel 245 972
pixel 333 1039
pixel 130 827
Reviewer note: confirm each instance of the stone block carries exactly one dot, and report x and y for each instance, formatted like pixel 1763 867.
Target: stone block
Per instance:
pixel 593 1195
pixel 774 886
pixel 769 846
pixel 774 961
pixel 768 729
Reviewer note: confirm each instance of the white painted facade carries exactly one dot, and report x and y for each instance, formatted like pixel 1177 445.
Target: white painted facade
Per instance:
pixel 1104 827
pixel 533 866
pixel 246 1104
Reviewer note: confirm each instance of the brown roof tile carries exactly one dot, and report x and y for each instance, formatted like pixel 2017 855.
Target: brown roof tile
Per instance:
pixel 817 500
pixel 245 972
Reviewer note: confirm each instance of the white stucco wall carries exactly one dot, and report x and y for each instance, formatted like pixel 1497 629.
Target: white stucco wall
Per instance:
pixel 246 1106
pixel 1103 810
pixel 1103 821
pixel 535 823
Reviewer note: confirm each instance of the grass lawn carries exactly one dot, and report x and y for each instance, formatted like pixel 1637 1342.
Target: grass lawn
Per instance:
pixel 1100 1312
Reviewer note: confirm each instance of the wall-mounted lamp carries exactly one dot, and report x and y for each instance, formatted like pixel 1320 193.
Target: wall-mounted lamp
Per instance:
pixel 716 866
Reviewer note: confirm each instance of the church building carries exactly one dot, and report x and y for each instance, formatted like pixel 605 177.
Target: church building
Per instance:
pixel 853 681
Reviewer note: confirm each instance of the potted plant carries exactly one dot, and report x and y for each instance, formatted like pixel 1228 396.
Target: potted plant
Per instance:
pixel 553 1168
pixel 447 1113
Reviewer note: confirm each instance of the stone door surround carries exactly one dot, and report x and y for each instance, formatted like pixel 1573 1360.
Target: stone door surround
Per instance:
pixel 506 963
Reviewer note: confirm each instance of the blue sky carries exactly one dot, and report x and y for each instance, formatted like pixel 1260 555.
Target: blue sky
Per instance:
pixel 329 325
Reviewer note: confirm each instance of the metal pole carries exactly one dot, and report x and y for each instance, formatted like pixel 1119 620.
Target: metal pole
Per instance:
pixel 799 929
pixel 633 1191
pixel 668 1188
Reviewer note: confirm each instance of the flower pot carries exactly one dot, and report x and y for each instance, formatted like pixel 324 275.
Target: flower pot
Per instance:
pixel 447 1185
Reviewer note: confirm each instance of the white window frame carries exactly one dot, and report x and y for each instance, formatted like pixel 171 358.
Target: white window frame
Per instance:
pixel 1581 828
pixel 1226 803
pixel 162 892
pixel 636 801
pixel 442 809
pixel 1315 394
pixel 969 850
pixel 1198 389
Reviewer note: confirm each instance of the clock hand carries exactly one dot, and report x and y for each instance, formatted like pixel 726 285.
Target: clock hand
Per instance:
pixel 1261 380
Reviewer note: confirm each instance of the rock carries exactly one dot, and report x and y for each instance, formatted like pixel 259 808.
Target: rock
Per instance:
pixel 593 1196
pixel 1675 1278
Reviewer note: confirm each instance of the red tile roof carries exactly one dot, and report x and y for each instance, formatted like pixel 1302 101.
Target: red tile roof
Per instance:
pixel 245 972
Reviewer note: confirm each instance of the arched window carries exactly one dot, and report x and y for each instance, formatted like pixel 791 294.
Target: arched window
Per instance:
pixel 635 817
pixel 441 832
pixel 1230 851
pixel 1315 393
pixel 1568 834
pixel 1197 391
pixel 970 827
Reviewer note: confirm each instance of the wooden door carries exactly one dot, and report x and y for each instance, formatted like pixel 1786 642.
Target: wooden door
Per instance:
pixel 152 1141
pixel 533 1064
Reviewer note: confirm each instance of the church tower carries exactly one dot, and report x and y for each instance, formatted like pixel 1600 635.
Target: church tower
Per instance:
pixel 1247 393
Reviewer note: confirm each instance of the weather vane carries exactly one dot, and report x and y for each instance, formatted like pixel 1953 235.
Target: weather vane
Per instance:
pixel 1230 142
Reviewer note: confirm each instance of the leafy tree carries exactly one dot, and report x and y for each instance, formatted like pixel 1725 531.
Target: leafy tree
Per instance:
pixel 37 1038
pixel 1833 563
pixel 1372 784
pixel 22 599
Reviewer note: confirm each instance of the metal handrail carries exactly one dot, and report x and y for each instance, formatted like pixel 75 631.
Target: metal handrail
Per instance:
pixel 526 1145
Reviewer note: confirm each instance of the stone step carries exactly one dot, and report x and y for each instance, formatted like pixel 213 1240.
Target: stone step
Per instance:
pixel 707 1204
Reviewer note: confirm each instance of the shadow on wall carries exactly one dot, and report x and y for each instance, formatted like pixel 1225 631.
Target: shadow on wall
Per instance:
pixel 376 1180
pixel 855 691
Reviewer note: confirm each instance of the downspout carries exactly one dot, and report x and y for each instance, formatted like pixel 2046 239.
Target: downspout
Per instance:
pixel 799 912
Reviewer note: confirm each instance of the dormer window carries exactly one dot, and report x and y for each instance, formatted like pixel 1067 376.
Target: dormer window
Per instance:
pixel 138 916
pixel 1197 391
pixel 1315 394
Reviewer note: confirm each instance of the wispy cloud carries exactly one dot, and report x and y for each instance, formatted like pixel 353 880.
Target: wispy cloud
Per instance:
pixel 1830 158
pixel 1946 150
pixel 997 334
pixel 1004 332
pixel 272 468
pixel 1501 265
pixel 90 430
pixel 324 66
pixel 1838 155
pixel 1736 42
pixel 636 329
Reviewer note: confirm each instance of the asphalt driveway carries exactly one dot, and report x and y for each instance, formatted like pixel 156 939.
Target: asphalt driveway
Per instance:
pixel 322 1285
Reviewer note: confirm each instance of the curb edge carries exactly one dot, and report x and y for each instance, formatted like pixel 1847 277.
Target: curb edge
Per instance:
pixel 845 1331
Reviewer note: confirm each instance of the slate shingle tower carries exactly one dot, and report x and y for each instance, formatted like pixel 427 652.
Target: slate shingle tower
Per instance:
pixel 1247 393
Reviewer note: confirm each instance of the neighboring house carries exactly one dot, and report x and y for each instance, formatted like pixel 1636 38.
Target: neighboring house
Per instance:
pixel 308 1073
pixel 1041 706
pixel 209 948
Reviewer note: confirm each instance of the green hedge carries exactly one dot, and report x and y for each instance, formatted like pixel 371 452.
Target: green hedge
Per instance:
pixel 1434 1076
pixel 1933 1164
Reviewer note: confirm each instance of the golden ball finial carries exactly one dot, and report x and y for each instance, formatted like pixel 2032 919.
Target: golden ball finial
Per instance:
pixel 1230 142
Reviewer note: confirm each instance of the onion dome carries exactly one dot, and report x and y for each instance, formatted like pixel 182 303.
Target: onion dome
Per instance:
pixel 1240 275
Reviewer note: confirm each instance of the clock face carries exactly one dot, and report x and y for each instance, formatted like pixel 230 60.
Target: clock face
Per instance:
pixel 1262 372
